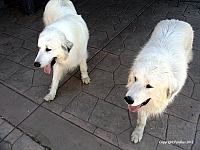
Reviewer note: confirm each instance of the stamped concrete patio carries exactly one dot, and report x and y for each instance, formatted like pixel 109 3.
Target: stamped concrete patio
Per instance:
pixel 94 116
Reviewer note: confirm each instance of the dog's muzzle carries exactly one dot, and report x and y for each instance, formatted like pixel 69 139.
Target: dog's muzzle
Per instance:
pixel 37 64
pixel 129 100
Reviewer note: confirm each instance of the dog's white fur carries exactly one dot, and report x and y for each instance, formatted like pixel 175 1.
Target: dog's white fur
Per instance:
pixel 162 63
pixel 65 30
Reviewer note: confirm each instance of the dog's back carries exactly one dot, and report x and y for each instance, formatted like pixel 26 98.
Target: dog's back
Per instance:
pixel 174 32
pixel 56 9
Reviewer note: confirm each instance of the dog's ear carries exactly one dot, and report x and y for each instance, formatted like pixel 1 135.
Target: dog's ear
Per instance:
pixel 131 78
pixel 173 87
pixel 67 45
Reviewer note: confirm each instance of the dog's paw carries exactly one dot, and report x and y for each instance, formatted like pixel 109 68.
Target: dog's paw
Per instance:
pixel 49 97
pixel 136 136
pixel 86 80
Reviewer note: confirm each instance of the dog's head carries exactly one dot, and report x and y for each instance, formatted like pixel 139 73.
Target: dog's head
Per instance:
pixel 150 81
pixel 53 47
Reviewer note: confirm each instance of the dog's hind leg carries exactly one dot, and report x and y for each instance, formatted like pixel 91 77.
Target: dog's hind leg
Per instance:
pixel 188 47
pixel 58 72
pixel 84 74
pixel 137 134
pixel 189 52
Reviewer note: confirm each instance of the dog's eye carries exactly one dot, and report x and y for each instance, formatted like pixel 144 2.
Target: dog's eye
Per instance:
pixel 149 86
pixel 135 79
pixel 47 49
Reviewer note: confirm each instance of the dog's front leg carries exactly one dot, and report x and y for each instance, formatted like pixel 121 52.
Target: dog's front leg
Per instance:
pixel 137 134
pixel 57 75
pixel 84 74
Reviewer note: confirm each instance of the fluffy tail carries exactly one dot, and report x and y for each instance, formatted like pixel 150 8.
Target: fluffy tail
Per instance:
pixel 68 3
pixel 63 1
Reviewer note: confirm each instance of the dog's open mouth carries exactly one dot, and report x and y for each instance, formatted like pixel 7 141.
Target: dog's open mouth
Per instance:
pixel 47 68
pixel 135 108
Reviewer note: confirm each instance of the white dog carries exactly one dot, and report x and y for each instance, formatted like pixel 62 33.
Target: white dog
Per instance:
pixel 63 43
pixel 159 71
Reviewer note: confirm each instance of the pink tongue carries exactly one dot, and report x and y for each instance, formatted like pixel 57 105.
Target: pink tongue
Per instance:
pixel 133 108
pixel 47 69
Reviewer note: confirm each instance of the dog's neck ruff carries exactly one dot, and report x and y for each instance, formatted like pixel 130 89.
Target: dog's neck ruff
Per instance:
pixel 135 108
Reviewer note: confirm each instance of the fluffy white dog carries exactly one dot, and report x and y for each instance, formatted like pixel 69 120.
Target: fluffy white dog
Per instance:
pixel 159 71
pixel 63 43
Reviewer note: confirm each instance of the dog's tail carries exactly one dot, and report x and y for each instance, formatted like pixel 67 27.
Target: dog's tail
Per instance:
pixel 64 2
pixel 67 3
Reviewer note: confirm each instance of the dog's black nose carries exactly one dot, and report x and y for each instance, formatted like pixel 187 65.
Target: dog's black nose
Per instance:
pixel 129 100
pixel 36 64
